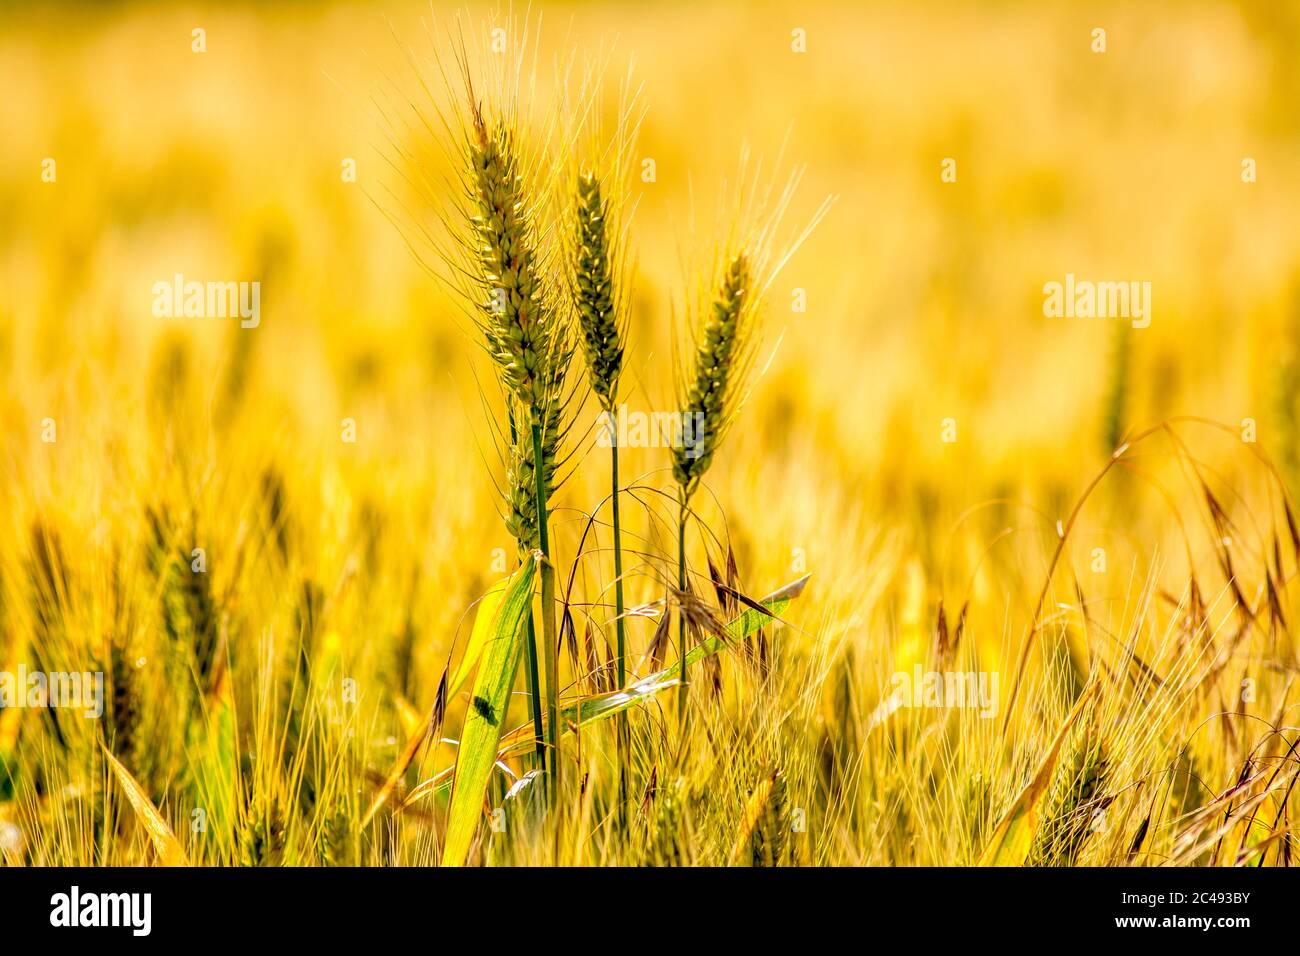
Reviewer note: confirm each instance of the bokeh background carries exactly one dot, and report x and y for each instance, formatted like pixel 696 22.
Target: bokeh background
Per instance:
pixel 924 298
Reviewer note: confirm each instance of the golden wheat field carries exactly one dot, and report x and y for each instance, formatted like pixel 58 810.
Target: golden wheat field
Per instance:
pixel 954 356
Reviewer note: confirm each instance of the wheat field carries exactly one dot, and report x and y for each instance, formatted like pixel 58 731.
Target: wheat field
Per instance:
pixel 269 534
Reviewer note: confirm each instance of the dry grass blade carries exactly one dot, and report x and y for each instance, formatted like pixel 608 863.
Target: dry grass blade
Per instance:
pixel 169 850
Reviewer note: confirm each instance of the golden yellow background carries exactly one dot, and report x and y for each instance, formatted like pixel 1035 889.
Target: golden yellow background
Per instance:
pixel 924 297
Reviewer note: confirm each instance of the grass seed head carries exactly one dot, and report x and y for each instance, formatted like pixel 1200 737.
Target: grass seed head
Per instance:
pixel 524 332
pixel 525 327
pixel 1078 793
pixel 594 293
pixel 711 393
pixel 521 487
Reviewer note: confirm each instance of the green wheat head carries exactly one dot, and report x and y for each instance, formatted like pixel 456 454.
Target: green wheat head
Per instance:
pixel 521 520
pixel 524 331
pixel 1078 792
pixel 712 390
pixel 525 328
pixel 595 296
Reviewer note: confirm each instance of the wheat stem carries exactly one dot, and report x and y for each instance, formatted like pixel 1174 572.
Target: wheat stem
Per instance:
pixel 535 693
pixel 596 288
pixel 549 651
pixel 534 689
pixel 681 617
pixel 619 631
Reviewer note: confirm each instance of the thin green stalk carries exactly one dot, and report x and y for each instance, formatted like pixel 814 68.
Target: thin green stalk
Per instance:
pixel 709 401
pixel 535 692
pixel 681 618
pixel 548 622
pixel 623 756
pixel 534 689
pixel 618 570
pixel 600 307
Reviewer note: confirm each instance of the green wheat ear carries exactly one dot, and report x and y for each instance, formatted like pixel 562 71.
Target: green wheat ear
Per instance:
pixel 710 399
pixel 1078 792
pixel 525 334
pixel 711 392
pixel 771 833
pixel 521 480
pixel 594 292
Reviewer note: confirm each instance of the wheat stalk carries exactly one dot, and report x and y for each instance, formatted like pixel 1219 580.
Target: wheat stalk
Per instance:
pixel 527 336
pixel 710 400
pixel 719 365
pixel 602 322
pixel 594 293
pixel 711 388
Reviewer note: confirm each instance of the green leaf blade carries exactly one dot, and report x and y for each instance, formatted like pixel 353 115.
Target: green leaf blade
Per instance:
pixel 500 657
pixel 589 710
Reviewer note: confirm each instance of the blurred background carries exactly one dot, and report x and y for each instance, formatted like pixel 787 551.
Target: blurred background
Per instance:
pixel 924 297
